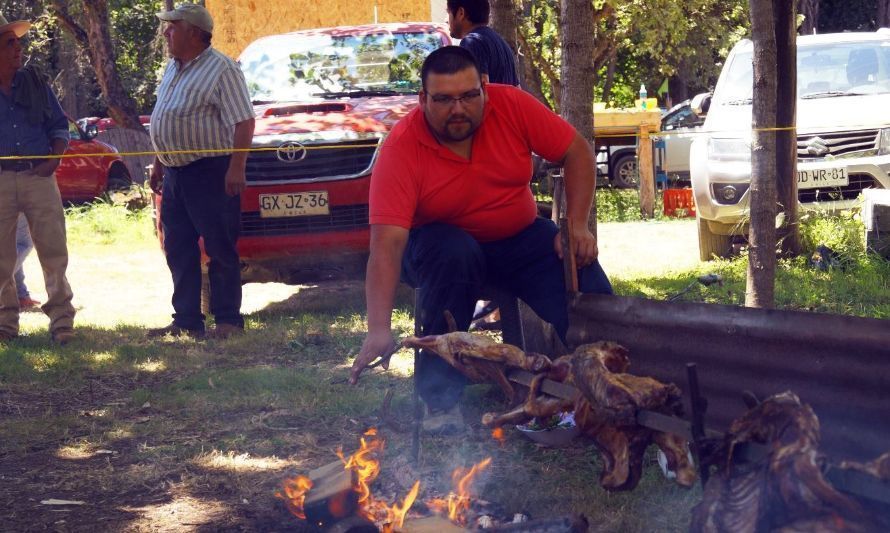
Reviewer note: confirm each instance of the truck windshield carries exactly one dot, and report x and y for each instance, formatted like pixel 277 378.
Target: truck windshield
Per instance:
pixel 823 71
pixel 305 66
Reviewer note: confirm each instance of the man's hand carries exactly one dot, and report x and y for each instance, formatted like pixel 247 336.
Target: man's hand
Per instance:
pixel 156 179
pixel 585 247
pixel 46 167
pixel 235 180
pixel 375 345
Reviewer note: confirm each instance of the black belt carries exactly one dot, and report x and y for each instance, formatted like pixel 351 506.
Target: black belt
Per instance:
pixel 17 165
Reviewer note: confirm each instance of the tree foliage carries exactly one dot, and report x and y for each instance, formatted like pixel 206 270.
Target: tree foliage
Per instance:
pixel 134 33
pixel 645 41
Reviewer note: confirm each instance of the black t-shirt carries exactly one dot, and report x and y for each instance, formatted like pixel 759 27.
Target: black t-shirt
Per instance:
pixel 494 55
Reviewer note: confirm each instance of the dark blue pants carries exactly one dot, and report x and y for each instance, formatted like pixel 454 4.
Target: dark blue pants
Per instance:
pixel 195 205
pixel 450 268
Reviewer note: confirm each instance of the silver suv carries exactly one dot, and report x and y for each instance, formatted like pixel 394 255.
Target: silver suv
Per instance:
pixel 843 132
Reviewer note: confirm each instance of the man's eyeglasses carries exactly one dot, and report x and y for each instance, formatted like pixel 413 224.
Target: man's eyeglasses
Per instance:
pixel 468 98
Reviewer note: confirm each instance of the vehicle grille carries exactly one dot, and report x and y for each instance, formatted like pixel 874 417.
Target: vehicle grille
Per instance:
pixel 838 143
pixel 322 160
pixel 858 182
pixel 341 218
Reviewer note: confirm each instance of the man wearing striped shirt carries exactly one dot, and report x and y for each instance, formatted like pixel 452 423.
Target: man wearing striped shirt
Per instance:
pixel 203 111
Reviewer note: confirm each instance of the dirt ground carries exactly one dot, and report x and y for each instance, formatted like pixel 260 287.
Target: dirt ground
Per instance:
pixel 155 466
pixel 626 249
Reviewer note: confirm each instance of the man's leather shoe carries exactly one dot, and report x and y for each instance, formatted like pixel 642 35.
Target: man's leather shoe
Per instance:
pixel 175 331
pixel 62 336
pixel 224 331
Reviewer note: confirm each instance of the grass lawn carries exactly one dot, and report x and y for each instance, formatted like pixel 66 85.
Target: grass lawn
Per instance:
pixel 180 435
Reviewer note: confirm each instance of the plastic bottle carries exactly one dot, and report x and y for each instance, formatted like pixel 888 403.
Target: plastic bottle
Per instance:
pixel 643 95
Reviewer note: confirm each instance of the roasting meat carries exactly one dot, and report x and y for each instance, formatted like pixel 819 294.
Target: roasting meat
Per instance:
pixel 784 489
pixel 458 346
pixel 605 410
pixel 607 414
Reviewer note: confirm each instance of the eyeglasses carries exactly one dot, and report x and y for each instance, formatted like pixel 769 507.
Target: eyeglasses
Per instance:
pixel 468 98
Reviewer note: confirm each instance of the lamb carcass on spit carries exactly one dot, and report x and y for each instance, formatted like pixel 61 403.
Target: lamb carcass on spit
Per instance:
pixel 479 358
pixel 782 491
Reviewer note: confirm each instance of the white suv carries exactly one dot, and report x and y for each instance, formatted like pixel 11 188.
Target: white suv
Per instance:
pixel 843 132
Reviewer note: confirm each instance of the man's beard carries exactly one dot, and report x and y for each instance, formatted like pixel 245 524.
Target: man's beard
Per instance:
pixel 458 128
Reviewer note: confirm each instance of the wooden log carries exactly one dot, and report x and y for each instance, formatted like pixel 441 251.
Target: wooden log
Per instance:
pixel 647 174
pixel 332 496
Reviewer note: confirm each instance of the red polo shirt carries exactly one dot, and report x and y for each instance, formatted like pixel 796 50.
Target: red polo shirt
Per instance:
pixel 417 181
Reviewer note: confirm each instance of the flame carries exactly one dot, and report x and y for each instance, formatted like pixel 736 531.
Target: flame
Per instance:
pixel 457 504
pixel 396 514
pixel 364 463
pixel 498 435
pixel 294 496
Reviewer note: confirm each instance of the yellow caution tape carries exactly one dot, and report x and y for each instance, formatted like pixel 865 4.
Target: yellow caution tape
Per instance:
pixel 657 134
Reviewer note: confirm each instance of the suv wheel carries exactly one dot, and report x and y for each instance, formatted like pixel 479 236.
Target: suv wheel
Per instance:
pixel 712 244
pixel 625 174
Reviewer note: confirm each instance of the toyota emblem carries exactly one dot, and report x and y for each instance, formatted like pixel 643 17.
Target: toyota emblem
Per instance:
pixel 291 152
pixel 817 147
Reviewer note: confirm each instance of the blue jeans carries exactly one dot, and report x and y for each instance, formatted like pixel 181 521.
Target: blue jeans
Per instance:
pixel 450 268
pixel 23 247
pixel 195 205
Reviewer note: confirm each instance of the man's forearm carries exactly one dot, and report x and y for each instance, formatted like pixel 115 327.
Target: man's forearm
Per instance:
pixel 59 145
pixel 580 181
pixel 380 287
pixel 243 139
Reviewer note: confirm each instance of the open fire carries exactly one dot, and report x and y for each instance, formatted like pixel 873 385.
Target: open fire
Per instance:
pixel 356 498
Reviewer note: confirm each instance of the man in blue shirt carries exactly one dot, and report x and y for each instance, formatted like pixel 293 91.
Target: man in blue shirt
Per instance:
pixel 32 125
pixel 468 21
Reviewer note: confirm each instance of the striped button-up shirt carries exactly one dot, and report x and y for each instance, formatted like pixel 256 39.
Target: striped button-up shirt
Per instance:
pixel 198 105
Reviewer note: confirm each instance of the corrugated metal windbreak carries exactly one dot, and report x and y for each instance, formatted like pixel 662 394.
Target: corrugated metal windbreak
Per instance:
pixel 839 365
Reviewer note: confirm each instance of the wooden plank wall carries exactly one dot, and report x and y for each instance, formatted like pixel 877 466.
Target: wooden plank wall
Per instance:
pixel 239 22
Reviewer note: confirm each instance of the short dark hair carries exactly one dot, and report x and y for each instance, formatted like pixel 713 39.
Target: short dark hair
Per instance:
pixel 477 10
pixel 447 60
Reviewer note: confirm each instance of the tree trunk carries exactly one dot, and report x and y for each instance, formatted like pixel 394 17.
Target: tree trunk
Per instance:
pixel 883 18
pixel 760 291
pixel 786 117
pixel 810 10
pixel 577 73
pixel 168 5
pixel 503 21
pixel 96 40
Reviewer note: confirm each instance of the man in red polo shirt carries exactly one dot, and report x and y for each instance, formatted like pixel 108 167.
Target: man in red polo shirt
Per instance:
pixel 451 209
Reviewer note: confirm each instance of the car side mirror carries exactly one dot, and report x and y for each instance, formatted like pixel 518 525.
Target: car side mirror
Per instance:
pixel 700 104
pixel 91 132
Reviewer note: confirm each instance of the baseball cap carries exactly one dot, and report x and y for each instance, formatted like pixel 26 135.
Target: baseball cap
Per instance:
pixel 192 13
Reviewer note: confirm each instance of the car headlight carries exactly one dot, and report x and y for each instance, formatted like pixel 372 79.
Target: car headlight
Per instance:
pixel 884 142
pixel 729 149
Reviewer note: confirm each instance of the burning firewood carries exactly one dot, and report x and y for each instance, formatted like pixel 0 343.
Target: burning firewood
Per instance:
pixel 782 490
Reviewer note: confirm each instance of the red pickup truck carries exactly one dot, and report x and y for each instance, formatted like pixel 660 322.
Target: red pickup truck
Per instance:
pixel 325 100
